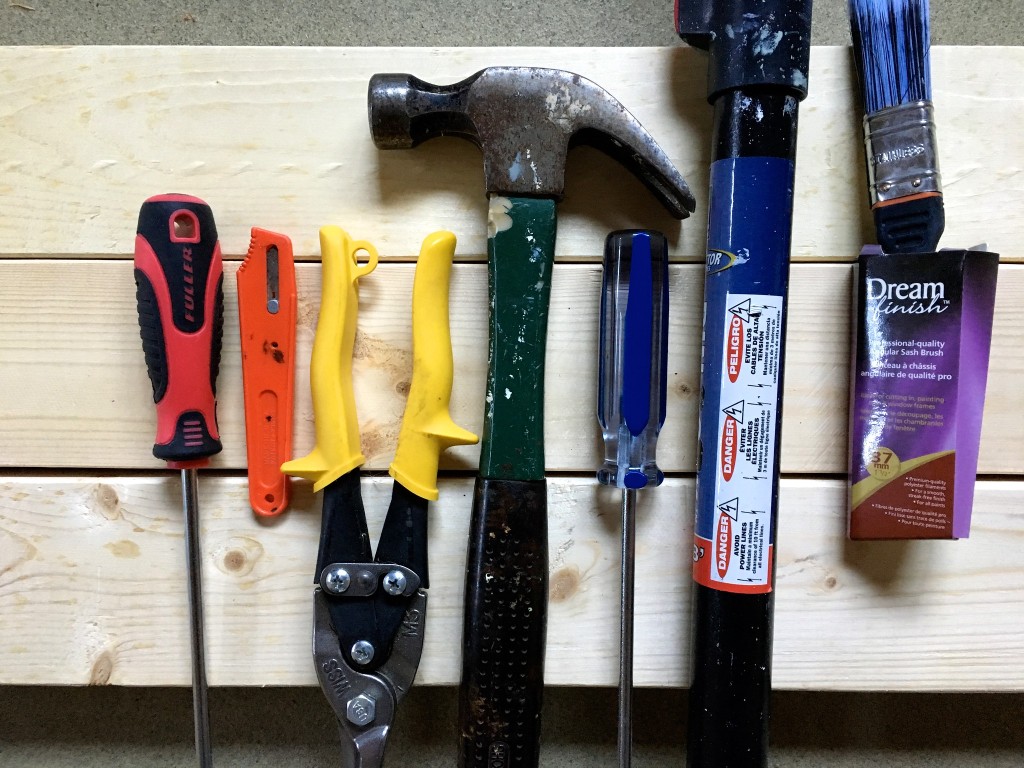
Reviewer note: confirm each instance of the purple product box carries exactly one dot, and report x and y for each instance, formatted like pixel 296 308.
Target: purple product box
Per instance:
pixel 921 347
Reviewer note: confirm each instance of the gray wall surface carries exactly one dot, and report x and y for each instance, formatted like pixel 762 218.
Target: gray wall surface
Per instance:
pixel 152 728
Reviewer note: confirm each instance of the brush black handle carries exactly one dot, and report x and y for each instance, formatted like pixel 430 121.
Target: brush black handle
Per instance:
pixel 505 625
pixel 910 226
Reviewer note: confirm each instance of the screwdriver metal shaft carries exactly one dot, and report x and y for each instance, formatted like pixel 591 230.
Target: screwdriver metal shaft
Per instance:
pixel 193 561
pixel 625 729
pixel 631 409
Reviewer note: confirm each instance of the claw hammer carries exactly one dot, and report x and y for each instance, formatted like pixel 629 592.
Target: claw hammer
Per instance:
pixel 524 119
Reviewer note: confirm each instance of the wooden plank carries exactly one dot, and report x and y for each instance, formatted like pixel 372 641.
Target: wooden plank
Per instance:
pixel 92 588
pixel 71 357
pixel 278 137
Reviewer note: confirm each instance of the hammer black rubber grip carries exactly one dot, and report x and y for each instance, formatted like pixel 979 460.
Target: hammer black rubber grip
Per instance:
pixel 505 624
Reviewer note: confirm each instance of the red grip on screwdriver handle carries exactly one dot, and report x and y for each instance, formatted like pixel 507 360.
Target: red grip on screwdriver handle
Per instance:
pixel 179 279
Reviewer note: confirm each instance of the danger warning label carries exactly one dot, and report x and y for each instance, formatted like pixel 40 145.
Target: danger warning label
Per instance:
pixel 737 557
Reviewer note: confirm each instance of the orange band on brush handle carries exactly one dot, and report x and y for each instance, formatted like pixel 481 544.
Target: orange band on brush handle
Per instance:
pixel 907 199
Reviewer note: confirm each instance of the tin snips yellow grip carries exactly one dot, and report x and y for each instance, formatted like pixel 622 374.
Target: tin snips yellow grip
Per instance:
pixel 427 427
pixel 337 448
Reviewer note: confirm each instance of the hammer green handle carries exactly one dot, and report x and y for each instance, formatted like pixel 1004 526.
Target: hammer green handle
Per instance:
pixel 507 567
pixel 520 255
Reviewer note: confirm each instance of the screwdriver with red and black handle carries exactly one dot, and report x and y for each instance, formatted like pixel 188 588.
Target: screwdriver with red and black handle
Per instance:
pixel 179 279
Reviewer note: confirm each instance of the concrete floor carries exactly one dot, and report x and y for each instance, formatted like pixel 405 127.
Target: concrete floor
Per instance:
pixel 415 22
pixel 151 728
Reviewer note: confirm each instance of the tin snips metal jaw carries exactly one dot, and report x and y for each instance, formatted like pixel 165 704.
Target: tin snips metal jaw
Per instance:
pixel 369 610
pixel 365 702
pixel 369 613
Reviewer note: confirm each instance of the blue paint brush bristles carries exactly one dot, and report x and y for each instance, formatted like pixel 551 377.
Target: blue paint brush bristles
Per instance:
pixel 891 45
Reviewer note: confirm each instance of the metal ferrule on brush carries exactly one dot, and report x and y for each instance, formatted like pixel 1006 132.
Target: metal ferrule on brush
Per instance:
pixel 901 152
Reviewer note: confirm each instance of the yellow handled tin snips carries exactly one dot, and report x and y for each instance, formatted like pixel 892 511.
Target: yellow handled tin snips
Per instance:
pixel 369 610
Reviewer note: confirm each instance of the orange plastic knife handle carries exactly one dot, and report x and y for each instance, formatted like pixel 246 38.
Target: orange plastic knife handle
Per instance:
pixel 268 365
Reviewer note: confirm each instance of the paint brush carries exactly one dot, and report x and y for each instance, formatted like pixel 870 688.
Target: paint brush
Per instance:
pixel 891 49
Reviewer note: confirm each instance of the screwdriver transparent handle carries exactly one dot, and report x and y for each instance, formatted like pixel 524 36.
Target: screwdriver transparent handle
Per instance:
pixel 633 357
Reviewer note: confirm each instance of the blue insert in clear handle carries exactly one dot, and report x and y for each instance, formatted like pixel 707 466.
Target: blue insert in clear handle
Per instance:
pixel 633 356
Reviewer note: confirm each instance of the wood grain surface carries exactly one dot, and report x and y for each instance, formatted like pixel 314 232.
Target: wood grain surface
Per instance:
pixel 70 350
pixel 92 588
pixel 278 137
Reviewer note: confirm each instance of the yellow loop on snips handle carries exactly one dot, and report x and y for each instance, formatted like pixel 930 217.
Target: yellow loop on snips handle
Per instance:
pixel 337 448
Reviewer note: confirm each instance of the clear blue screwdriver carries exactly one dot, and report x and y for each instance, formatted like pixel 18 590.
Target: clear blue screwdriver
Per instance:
pixel 631 407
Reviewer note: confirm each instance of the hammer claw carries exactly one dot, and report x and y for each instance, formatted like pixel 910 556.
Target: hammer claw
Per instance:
pixel 524 119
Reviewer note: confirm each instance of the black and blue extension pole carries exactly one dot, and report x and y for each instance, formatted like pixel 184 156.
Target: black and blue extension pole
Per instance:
pixel 759 51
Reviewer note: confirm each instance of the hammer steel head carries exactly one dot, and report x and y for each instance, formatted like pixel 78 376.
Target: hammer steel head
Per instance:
pixel 524 119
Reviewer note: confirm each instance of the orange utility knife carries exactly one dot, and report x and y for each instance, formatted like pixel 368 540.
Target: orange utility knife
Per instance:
pixel 266 318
